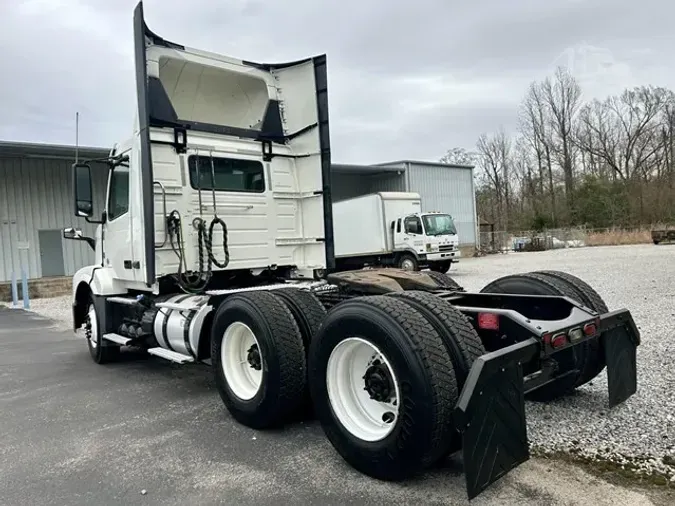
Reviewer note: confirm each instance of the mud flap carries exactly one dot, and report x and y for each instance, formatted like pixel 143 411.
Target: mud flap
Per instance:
pixel 490 414
pixel 620 338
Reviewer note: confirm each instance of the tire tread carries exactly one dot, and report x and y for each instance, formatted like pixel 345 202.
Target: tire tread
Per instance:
pixel 444 281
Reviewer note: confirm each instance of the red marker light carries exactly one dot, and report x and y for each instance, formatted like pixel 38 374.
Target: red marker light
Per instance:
pixel 559 340
pixel 488 321
pixel 590 329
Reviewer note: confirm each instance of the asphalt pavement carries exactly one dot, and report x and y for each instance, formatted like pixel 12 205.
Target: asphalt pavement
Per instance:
pixel 148 432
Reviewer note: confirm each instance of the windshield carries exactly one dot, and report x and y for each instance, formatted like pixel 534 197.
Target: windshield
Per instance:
pixel 439 224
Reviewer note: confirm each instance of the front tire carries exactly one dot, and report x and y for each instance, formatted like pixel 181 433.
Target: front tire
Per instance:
pixel 407 262
pixel 383 387
pixel 441 267
pixel 101 352
pixel 258 359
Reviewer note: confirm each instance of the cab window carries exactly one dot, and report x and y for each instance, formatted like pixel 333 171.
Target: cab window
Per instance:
pixel 118 200
pixel 413 225
pixel 229 174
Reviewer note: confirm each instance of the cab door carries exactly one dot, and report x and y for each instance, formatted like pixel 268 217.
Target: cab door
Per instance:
pixel 413 235
pixel 117 232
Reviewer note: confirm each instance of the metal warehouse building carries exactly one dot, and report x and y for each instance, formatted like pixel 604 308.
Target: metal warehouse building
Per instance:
pixel 36 202
pixel 442 187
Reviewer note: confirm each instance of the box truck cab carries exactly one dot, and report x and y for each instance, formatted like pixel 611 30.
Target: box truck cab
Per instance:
pixel 390 229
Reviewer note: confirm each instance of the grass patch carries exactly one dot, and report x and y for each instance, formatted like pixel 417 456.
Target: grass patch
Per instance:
pixel 618 237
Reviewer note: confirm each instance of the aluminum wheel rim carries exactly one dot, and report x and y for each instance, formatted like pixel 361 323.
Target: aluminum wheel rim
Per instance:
pixel 407 265
pixel 93 327
pixel 365 418
pixel 242 378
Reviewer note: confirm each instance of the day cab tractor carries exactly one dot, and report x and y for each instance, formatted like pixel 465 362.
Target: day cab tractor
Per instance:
pixel 215 246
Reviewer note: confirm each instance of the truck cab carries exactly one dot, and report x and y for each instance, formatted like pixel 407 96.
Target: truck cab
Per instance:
pixel 432 236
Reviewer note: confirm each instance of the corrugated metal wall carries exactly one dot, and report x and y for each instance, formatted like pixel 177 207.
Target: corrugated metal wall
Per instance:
pixel 449 190
pixel 36 194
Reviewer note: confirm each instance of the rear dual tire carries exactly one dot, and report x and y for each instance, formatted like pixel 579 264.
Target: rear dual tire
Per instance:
pixel 587 358
pixel 383 372
pixel 259 346
pixel 460 339
pixel 444 281
pixel 383 387
pixel 258 359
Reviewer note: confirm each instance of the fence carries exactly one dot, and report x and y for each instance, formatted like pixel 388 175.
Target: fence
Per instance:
pixel 530 240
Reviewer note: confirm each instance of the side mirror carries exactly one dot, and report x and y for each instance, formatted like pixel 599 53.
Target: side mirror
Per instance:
pixel 72 233
pixel 75 234
pixel 84 205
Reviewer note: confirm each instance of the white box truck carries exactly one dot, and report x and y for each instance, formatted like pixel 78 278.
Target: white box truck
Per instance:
pixel 390 229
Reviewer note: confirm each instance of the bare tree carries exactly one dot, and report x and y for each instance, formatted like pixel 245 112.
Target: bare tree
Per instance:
pixel 494 160
pixel 562 96
pixel 534 126
pixel 459 156
pixel 626 131
pixel 614 159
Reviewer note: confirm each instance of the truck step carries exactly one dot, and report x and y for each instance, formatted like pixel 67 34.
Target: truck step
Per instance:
pixel 173 356
pixel 116 338
pixel 176 307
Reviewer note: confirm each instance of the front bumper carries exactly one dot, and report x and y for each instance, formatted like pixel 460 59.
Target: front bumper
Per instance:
pixel 444 256
pixel 490 412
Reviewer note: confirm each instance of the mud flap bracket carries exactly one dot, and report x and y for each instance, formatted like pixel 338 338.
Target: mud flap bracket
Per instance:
pixel 490 414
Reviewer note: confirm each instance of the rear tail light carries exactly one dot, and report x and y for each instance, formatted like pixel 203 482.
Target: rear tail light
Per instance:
pixel 590 329
pixel 488 321
pixel 559 340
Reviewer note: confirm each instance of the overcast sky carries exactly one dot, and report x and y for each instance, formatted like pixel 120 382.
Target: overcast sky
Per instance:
pixel 406 79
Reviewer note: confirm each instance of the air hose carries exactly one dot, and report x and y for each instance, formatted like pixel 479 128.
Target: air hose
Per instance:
pixel 197 282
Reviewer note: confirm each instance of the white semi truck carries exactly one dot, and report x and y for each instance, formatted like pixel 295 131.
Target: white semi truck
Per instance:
pixel 216 246
pixel 390 229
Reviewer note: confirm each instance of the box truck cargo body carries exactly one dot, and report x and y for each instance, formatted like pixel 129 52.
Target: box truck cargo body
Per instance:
pixel 390 228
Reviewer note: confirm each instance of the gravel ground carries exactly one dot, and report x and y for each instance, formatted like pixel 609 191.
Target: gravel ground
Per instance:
pixel 639 435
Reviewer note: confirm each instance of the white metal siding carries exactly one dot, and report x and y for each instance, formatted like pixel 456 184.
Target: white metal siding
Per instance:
pixel 449 190
pixel 36 194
